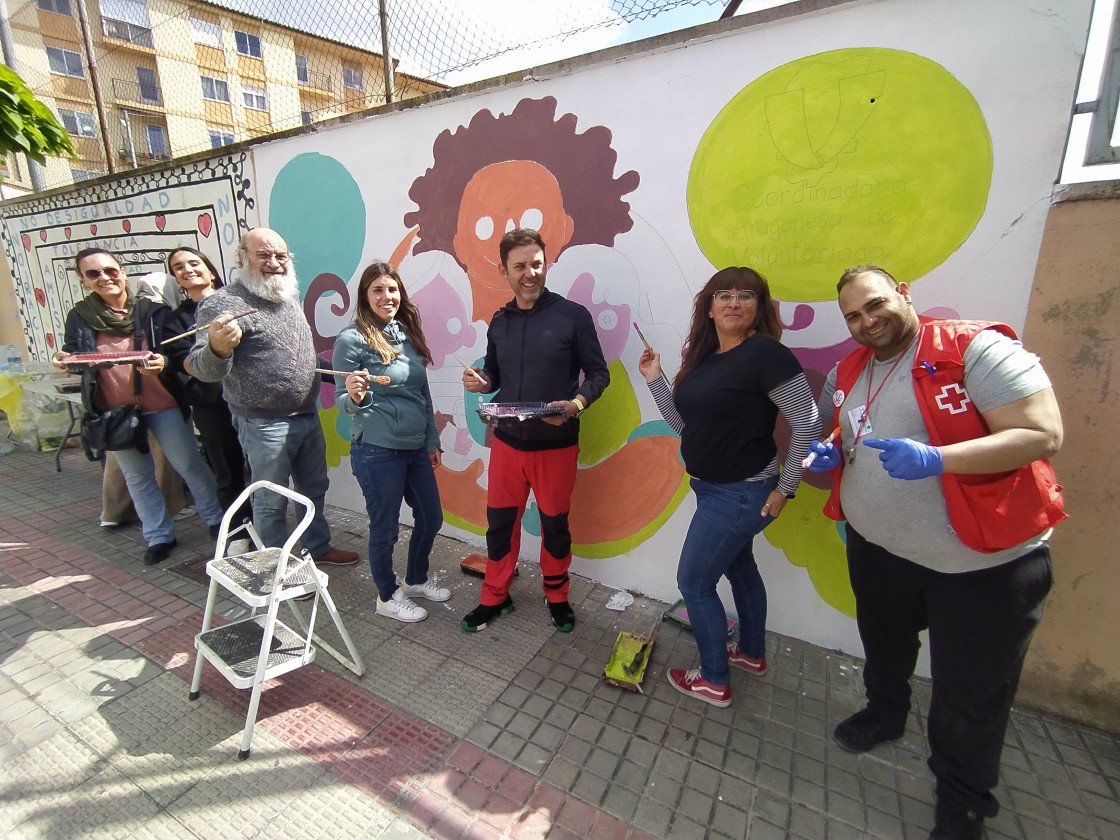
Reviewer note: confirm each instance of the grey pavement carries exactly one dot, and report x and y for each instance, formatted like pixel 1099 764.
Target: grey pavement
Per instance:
pixel 509 733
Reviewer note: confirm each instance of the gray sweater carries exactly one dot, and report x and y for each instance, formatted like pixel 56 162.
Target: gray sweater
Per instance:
pixel 272 370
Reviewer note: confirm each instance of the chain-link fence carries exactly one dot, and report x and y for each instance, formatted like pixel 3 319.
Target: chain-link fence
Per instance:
pixel 178 76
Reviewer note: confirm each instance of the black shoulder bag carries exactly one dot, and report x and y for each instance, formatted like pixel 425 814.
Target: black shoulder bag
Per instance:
pixel 122 427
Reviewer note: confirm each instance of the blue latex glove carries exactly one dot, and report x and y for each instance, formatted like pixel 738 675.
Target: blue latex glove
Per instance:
pixel 907 459
pixel 826 457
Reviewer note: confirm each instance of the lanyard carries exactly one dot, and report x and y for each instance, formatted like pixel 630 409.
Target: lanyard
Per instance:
pixel 872 397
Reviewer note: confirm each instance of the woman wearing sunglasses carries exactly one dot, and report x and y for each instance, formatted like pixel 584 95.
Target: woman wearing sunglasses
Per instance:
pixel 735 378
pixel 103 322
pixel 198 279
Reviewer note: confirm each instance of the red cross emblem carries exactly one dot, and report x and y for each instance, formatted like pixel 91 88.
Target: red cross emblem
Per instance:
pixel 953 398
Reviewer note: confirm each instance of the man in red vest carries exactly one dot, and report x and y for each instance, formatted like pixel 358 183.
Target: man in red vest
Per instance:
pixel 946 529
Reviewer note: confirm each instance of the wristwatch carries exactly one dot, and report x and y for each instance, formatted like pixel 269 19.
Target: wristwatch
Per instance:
pixel 788 495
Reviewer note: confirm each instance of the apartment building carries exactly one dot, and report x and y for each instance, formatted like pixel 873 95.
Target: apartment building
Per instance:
pixel 178 77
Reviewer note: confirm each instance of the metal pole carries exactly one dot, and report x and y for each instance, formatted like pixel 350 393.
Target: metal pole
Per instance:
pixel 34 170
pixel 95 82
pixel 732 8
pixel 386 60
pixel 127 123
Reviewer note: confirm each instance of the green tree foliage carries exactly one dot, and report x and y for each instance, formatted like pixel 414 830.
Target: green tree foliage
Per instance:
pixel 26 124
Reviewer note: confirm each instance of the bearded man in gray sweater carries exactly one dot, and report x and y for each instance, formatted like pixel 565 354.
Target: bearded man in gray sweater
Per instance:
pixel 266 363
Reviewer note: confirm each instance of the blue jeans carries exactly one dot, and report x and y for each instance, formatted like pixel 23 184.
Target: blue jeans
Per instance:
pixel 388 477
pixel 176 437
pixel 280 449
pixel 720 541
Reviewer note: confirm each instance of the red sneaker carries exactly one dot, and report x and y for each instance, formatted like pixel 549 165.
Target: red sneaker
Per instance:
pixel 740 660
pixel 692 684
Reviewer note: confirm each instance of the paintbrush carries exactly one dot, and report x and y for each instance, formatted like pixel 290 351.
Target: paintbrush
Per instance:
pixel 638 330
pixel 467 367
pixel 813 455
pixel 380 380
pixel 204 327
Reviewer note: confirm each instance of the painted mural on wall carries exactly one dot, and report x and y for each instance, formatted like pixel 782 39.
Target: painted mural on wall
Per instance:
pixel 140 218
pixel 829 161
pixel 526 168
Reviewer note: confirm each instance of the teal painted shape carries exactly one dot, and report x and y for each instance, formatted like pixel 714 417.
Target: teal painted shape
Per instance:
pixel 653 428
pixel 316 205
pixel 531 519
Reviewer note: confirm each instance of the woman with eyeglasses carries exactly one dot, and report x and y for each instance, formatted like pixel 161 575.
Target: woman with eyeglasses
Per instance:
pixel 394 446
pixel 103 322
pixel 198 279
pixel 735 378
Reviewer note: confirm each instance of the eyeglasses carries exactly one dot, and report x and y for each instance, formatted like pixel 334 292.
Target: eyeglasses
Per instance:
pixel 724 297
pixel 94 273
pixel 281 257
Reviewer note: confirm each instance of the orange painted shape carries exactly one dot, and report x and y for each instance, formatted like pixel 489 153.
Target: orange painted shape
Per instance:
pixel 460 493
pixel 621 495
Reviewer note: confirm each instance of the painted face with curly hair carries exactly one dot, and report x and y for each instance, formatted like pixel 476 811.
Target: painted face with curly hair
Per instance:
pixel 499 198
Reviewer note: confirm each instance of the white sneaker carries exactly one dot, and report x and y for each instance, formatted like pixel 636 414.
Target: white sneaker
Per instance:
pixel 401 608
pixel 428 591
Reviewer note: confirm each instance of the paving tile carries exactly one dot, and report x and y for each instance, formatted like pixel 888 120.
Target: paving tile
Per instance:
pixel 508 734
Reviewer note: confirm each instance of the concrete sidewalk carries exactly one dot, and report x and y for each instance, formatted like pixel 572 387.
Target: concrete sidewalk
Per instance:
pixel 509 733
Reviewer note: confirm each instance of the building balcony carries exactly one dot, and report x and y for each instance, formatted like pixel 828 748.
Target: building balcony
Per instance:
pixel 148 97
pixel 142 158
pixel 315 83
pixel 128 33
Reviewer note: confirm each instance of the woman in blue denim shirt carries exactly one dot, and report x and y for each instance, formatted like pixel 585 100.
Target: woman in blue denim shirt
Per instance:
pixel 394 446
pixel 735 378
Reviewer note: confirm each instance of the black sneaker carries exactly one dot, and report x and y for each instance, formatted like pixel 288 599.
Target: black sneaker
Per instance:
pixel 865 729
pixel 158 552
pixel 953 822
pixel 562 616
pixel 215 530
pixel 483 614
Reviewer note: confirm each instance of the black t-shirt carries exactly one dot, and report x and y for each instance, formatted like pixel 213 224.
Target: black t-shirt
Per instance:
pixel 728 417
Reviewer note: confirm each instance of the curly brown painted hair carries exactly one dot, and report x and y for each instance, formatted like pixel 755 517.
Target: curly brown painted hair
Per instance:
pixel 583 165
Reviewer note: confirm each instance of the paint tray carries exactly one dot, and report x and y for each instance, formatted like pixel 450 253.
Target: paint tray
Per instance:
pixel 679 613
pixel 494 412
pixel 627 665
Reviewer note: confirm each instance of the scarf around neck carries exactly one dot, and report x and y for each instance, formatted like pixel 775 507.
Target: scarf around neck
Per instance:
pixel 95 312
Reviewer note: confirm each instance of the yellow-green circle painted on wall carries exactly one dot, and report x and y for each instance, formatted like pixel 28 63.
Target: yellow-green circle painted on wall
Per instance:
pixel 844 157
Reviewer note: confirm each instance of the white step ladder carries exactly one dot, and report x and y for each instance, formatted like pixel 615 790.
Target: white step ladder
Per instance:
pixel 261 647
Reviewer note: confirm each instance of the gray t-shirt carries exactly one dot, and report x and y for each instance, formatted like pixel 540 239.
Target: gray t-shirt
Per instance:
pixel 909 518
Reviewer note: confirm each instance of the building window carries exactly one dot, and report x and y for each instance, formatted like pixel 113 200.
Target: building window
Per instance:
pixel 247 44
pixel 85 174
pixel 157 142
pixel 59 7
pixel 128 21
pixel 65 62
pixel 220 138
pixel 352 77
pixel 78 123
pixel 213 89
pixel 254 97
pixel 303 76
pixel 305 117
pixel 149 90
pixel 206 32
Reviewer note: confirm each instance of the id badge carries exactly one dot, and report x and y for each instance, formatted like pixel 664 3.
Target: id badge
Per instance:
pixel 854 416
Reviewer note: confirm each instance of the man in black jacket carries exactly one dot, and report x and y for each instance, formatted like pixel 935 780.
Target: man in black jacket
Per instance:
pixel 537 347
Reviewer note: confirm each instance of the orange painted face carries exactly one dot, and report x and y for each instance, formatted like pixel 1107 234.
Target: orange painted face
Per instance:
pixel 497 199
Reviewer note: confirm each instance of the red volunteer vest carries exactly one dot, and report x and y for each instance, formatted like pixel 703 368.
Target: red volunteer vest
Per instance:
pixel 988 512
